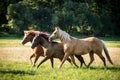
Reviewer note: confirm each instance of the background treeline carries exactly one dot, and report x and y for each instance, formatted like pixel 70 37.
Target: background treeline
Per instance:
pixel 90 17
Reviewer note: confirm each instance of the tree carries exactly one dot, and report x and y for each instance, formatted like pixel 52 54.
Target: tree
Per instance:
pixel 94 17
pixel 3 11
pixel 23 15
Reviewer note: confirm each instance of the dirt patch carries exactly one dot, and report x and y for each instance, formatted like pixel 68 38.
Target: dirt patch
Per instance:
pixel 22 54
pixel 15 54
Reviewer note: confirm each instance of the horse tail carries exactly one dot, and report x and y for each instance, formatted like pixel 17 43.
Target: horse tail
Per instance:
pixel 106 52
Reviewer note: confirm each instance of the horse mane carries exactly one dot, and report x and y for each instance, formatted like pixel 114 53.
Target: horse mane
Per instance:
pixel 64 35
pixel 34 33
pixel 44 35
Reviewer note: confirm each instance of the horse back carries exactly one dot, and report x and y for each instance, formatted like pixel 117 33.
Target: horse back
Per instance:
pixel 86 45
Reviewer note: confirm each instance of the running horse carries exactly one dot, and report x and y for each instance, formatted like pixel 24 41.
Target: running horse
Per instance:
pixel 52 49
pixel 38 50
pixel 74 46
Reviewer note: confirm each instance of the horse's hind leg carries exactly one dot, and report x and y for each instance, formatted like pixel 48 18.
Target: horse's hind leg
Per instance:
pixel 80 58
pixel 103 59
pixel 69 60
pixel 91 54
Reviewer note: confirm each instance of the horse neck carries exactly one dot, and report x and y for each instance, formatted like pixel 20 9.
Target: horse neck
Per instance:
pixel 62 40
pixel 45 43
pixel 64 37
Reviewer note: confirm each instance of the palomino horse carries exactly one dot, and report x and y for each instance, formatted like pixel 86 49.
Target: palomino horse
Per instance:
pixel 53 49
pixel 38 50
pixel 76 46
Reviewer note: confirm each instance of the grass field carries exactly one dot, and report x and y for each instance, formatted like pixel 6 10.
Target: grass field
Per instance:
pixel 15 65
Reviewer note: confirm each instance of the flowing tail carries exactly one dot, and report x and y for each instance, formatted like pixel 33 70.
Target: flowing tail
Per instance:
pixel 106 52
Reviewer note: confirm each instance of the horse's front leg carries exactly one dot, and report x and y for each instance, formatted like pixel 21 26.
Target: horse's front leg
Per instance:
pixel 36 58
pixel 73 60
pixel 46 58
pixel 33 55
pixel 65 58
pixel 52 62
pixel 80 58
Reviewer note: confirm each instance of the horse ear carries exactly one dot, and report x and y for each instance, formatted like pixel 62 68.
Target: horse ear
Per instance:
pixel 25 32
pixel 57 28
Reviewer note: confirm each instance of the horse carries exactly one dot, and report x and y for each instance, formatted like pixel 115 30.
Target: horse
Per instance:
pixel 53 49
pixel 74 46
pixel 38 50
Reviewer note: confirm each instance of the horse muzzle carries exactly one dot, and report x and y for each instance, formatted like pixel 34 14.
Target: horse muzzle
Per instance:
pixel 22 43
pixel 32 47
pixel 50 39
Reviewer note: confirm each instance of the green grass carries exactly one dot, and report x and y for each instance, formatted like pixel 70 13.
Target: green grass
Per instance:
pixel 24 71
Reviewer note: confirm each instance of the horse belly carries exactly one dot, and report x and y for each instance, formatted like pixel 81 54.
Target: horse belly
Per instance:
pixel 38 51
pixel 81 50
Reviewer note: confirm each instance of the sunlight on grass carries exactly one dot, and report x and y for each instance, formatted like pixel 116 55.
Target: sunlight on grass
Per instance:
pixel 24 71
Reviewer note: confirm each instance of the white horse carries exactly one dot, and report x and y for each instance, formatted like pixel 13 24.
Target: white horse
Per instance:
pixel 74 46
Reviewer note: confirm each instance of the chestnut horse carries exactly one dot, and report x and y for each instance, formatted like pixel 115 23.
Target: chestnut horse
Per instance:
pixel 53 49
pixel 38 50
pixel 74 46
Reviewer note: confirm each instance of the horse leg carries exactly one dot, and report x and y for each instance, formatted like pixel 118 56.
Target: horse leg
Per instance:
pixel 91 54
pixel 103 59
pixel 36 58
pixel 69 60
pixel 65 57
pixel 33 55
pixel 73 60
pixel 46 58
pixel 52 62
pixel 80 58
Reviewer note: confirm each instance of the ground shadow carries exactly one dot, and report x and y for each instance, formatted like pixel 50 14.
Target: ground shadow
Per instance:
pixel 102 68
pixel 16 72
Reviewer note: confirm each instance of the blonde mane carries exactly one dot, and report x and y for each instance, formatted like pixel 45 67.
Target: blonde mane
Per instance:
pixel 64 35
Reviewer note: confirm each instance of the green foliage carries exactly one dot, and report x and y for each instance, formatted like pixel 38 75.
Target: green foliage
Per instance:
pixel 90 16
pixel 23 15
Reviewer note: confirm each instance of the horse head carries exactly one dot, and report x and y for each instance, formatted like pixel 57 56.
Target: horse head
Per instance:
pixel 40 39
pixel 55 34
pixel 28 36
pixel 58 33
